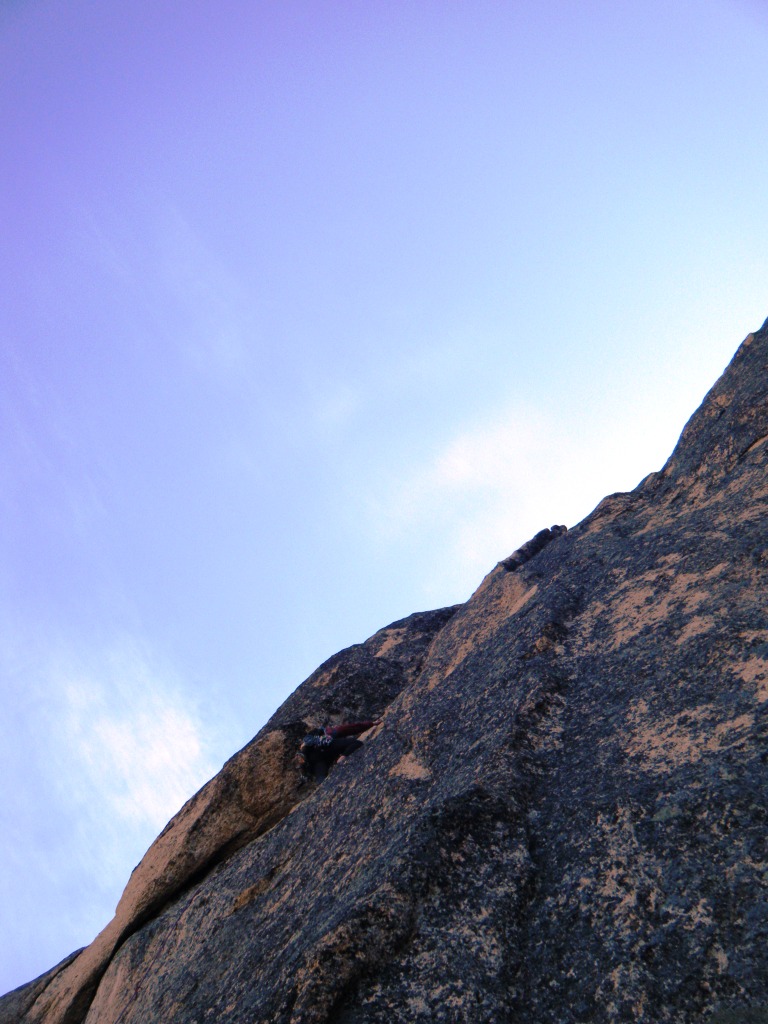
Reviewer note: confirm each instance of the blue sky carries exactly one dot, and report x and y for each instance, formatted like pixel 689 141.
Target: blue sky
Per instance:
pixel 309 314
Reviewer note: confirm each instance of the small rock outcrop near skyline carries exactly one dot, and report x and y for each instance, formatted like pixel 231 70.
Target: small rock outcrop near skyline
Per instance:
pixel 561 817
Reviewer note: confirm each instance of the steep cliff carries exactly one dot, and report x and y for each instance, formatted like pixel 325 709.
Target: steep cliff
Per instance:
pixel 561 817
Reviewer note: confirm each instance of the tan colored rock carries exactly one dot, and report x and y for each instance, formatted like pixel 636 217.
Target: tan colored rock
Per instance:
pixel 253 791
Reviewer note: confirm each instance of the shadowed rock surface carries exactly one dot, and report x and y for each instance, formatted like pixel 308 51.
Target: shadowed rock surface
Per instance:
pixel 560 820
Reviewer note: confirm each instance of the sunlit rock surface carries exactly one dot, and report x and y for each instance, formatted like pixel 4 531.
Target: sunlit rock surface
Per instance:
pixel 561 818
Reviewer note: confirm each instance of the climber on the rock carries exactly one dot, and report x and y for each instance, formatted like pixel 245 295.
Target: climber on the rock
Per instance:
pixel 324 747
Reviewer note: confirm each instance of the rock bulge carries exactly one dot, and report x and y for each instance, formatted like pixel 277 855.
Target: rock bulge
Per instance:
pixel 561 818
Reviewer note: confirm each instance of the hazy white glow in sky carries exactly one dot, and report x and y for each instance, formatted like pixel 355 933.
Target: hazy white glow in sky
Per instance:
pixel 310 313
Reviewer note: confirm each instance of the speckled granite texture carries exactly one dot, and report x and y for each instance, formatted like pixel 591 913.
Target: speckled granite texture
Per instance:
pixel 560 820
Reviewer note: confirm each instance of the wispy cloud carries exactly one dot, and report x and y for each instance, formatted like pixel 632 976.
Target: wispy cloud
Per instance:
pixel 502 478
pixel 214 309
pixel 131 742
pixel 195 302
pixel 483 471
pixel 102 744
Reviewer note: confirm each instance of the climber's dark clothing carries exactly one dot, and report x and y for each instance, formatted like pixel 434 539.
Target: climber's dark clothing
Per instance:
pixel 322 748
pixel 320 759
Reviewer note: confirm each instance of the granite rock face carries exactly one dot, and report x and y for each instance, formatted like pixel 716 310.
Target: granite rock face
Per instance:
pixel 561 819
